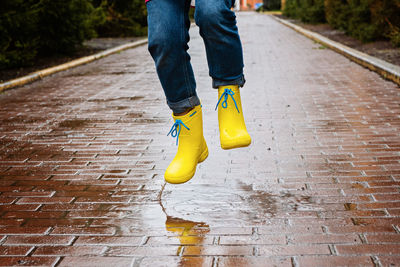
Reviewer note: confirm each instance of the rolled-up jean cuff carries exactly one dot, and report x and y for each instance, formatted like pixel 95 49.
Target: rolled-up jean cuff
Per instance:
pixel 183 105
pixel 239 81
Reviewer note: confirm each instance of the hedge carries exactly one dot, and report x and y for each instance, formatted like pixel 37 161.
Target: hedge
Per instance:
pixel 30 28
pixel 18 41
pixel 123 18
pixel 272 4
pixel 310 11
pixel 366 20
pixel 37 28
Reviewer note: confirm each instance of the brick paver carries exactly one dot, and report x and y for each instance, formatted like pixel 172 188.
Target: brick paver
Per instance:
pixel 83 154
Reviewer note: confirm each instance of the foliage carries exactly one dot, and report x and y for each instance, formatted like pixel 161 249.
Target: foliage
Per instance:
pixel 123 18
pixel 64 24
pixel 366 20
pixel 385 15
pixel 272 4
pixel 310 11
pixel 292 8
pixel 18 41
pixel 36 28
pixel 313 11
pixel 337 13
pixel 31 28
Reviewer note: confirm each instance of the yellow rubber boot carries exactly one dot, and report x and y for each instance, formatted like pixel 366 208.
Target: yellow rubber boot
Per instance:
pixel 232 129
pixel 192 147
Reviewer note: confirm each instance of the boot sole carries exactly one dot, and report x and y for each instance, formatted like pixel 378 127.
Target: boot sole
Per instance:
pixel 233 145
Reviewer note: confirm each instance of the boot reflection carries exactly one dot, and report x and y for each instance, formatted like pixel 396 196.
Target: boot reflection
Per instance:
pixel 190 234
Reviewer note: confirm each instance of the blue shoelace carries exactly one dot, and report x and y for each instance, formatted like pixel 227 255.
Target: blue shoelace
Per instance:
pixel 226 94
pixel 176 129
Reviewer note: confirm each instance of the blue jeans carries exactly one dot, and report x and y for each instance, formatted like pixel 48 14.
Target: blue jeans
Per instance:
pixel 168 32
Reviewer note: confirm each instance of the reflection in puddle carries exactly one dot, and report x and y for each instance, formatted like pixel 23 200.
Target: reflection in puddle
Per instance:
pixel 189 233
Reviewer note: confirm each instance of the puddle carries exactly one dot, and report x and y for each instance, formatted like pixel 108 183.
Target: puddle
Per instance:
pixel 239 205
pixel 21 120
pixel 263 204
pixel 144 120
pixel 121 72
pixel 134 115
pixel 188 232
pixel 79 123
pixel 333 126
pixel 18 150
pixel 115 171
pixel 133 98
pixel 119 107
pixel 14 149
pixel 76 123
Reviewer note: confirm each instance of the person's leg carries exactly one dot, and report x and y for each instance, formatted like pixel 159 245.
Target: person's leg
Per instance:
pixel 169 24
pixel 218 29
pixel 168 32
pixel 225 60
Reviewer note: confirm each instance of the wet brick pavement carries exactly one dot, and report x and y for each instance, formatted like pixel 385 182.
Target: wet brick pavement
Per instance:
pixel 83 154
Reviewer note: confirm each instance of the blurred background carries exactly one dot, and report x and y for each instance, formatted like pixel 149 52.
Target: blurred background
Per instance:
pixel 44 32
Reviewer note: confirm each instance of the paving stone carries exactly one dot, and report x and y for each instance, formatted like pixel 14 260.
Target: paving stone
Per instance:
pixel 254 261
pixel 335 261
pixel 177 261
pixel 96 261
pixel 28 261
pixel 83 153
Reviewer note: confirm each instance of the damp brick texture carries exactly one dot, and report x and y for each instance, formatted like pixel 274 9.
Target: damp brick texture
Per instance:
pixel 83 154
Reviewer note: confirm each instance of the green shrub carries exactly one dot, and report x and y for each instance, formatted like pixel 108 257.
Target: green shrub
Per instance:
pixel 359 23
pixel 366 20
pixel 18 41
pixel 292 8
pixel 123 18
pixel 32 28
pixel 64 24
pixel 272 4
pixel 310 11
pixel 393 34
pixel 385 14
pixel 337 13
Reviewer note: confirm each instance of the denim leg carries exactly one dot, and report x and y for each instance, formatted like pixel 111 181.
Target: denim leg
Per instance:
pixel 168 35
pixel 218 28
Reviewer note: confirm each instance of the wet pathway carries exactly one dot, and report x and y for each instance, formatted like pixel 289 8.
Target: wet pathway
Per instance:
pixel 83 154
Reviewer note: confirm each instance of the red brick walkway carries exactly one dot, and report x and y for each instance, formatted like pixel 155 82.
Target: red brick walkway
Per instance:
pixel 83 154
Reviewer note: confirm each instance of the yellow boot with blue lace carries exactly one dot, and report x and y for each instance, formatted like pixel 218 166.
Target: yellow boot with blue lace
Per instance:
pixel 232 129
pixel 192 147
